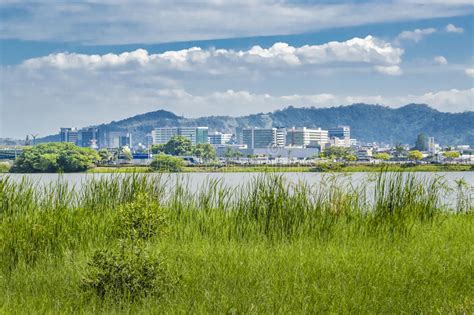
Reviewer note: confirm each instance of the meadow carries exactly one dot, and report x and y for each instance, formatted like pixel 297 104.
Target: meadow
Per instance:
pixel 137 244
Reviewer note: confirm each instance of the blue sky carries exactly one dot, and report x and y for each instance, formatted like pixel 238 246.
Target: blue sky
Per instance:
pixel 83 63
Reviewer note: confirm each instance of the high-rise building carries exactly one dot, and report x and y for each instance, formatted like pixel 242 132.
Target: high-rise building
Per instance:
pixel 219 138
pixel 117 139
pixel 88 136
pixel 281 137
pixel 68 135
pixel 341 132
pixel 194 134
pixel 259 138
pixel 163 135
pixel 305 137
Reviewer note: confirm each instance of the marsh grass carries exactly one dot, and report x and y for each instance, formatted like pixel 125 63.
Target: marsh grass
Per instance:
pixel 391 244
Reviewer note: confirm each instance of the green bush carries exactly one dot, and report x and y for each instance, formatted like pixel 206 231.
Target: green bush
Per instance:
pixel 126 271
pixel 55 157
pixel 4 167
pixel 166 163
pixel 140 219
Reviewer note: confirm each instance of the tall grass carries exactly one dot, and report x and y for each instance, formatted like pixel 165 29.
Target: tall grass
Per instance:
pixel 42 226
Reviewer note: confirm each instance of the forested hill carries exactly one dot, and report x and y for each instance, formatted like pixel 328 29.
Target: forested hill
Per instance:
pixel 367 122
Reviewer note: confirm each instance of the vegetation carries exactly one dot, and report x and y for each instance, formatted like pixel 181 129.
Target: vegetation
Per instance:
pixel 393 124
pixel 415 155
pixel 451 155
pixel 55 157
pixel 338 153
pixel 382 156
pixel 180 146
pixel 4 167
pixel 136 244
pixel 167 163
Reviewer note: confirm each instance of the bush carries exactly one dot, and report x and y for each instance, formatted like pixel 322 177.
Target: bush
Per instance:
pixel 166 163
pixel 140 219
pixel 4 167
pixel 126 271
pixel 55 157
pixel 327 167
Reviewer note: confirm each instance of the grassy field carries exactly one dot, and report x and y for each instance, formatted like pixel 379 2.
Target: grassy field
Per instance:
pixel 273 169
pixel 133 244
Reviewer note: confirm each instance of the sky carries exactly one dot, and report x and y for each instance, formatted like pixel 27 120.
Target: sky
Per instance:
pixel 80 63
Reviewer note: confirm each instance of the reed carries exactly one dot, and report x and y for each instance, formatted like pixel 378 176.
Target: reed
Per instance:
pixel 395 217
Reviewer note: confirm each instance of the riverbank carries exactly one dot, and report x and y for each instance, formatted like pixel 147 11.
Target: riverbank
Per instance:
pixel 272 169
pixel 132 244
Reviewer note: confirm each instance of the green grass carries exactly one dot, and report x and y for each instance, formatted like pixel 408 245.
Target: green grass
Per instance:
pixel 351 168
pixel 390 246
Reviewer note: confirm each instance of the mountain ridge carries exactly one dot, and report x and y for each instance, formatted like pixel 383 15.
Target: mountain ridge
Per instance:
pixel 368 122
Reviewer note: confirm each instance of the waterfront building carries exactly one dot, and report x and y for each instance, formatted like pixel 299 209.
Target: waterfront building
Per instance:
pixel 195 134
pixel 305 137
pixel 219 138
pixel 87 137
pixel 259 138
pixel 341 132
pixel 68 135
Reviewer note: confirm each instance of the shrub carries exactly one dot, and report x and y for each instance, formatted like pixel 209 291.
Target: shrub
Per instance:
pixel 166 163
pixel 126 271
pixel 55 157
pixel 142 218
pixel 4 167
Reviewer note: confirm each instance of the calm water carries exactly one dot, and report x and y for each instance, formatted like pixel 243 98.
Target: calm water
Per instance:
pixel 233 179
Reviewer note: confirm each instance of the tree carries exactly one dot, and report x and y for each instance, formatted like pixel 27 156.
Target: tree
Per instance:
pixel 415 155
pixel 230 153
pixel 178 145
pixel 55 157
pixel 337 153
pixel 157 148
pixel 451 155
pixel 351 158
pixel 399 149
pixel 205 151
pixel 126 154
pixel 382 156
pixel 421 143
pixel 167 163
pixel 104 156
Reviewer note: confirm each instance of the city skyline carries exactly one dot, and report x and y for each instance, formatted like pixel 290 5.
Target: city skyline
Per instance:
pixel 263 56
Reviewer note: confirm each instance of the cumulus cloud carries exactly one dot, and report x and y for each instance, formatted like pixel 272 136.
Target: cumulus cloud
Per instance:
pixel 415 35
pixel 450 28
pixel 122 22
pixel 368 50
pixel 470 72
pixel 441 60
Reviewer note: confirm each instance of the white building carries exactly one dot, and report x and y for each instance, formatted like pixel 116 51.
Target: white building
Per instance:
pixel 219 138
pixel 303 137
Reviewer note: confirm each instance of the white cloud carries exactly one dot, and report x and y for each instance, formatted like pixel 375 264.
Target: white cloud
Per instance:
pixel 415 35
pixel 441 60
pixel 368 50
pixel 390 70
pixel 450 28
pixel 122 22
pixel 470 72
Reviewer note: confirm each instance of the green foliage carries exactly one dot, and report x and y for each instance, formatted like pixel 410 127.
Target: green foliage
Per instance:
pixel 205 151
pixel 338 153
pixel 451 155
pixel 167 163
pixel 142 219
pixel 415 155
pixel 157 148
pixel 382 156
pixel 105 156
pixel 421 143
pixel 178 145
pixel 127 154
pixel 232 153
pixel 126 272
pixel 4 167
pixel 55 157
